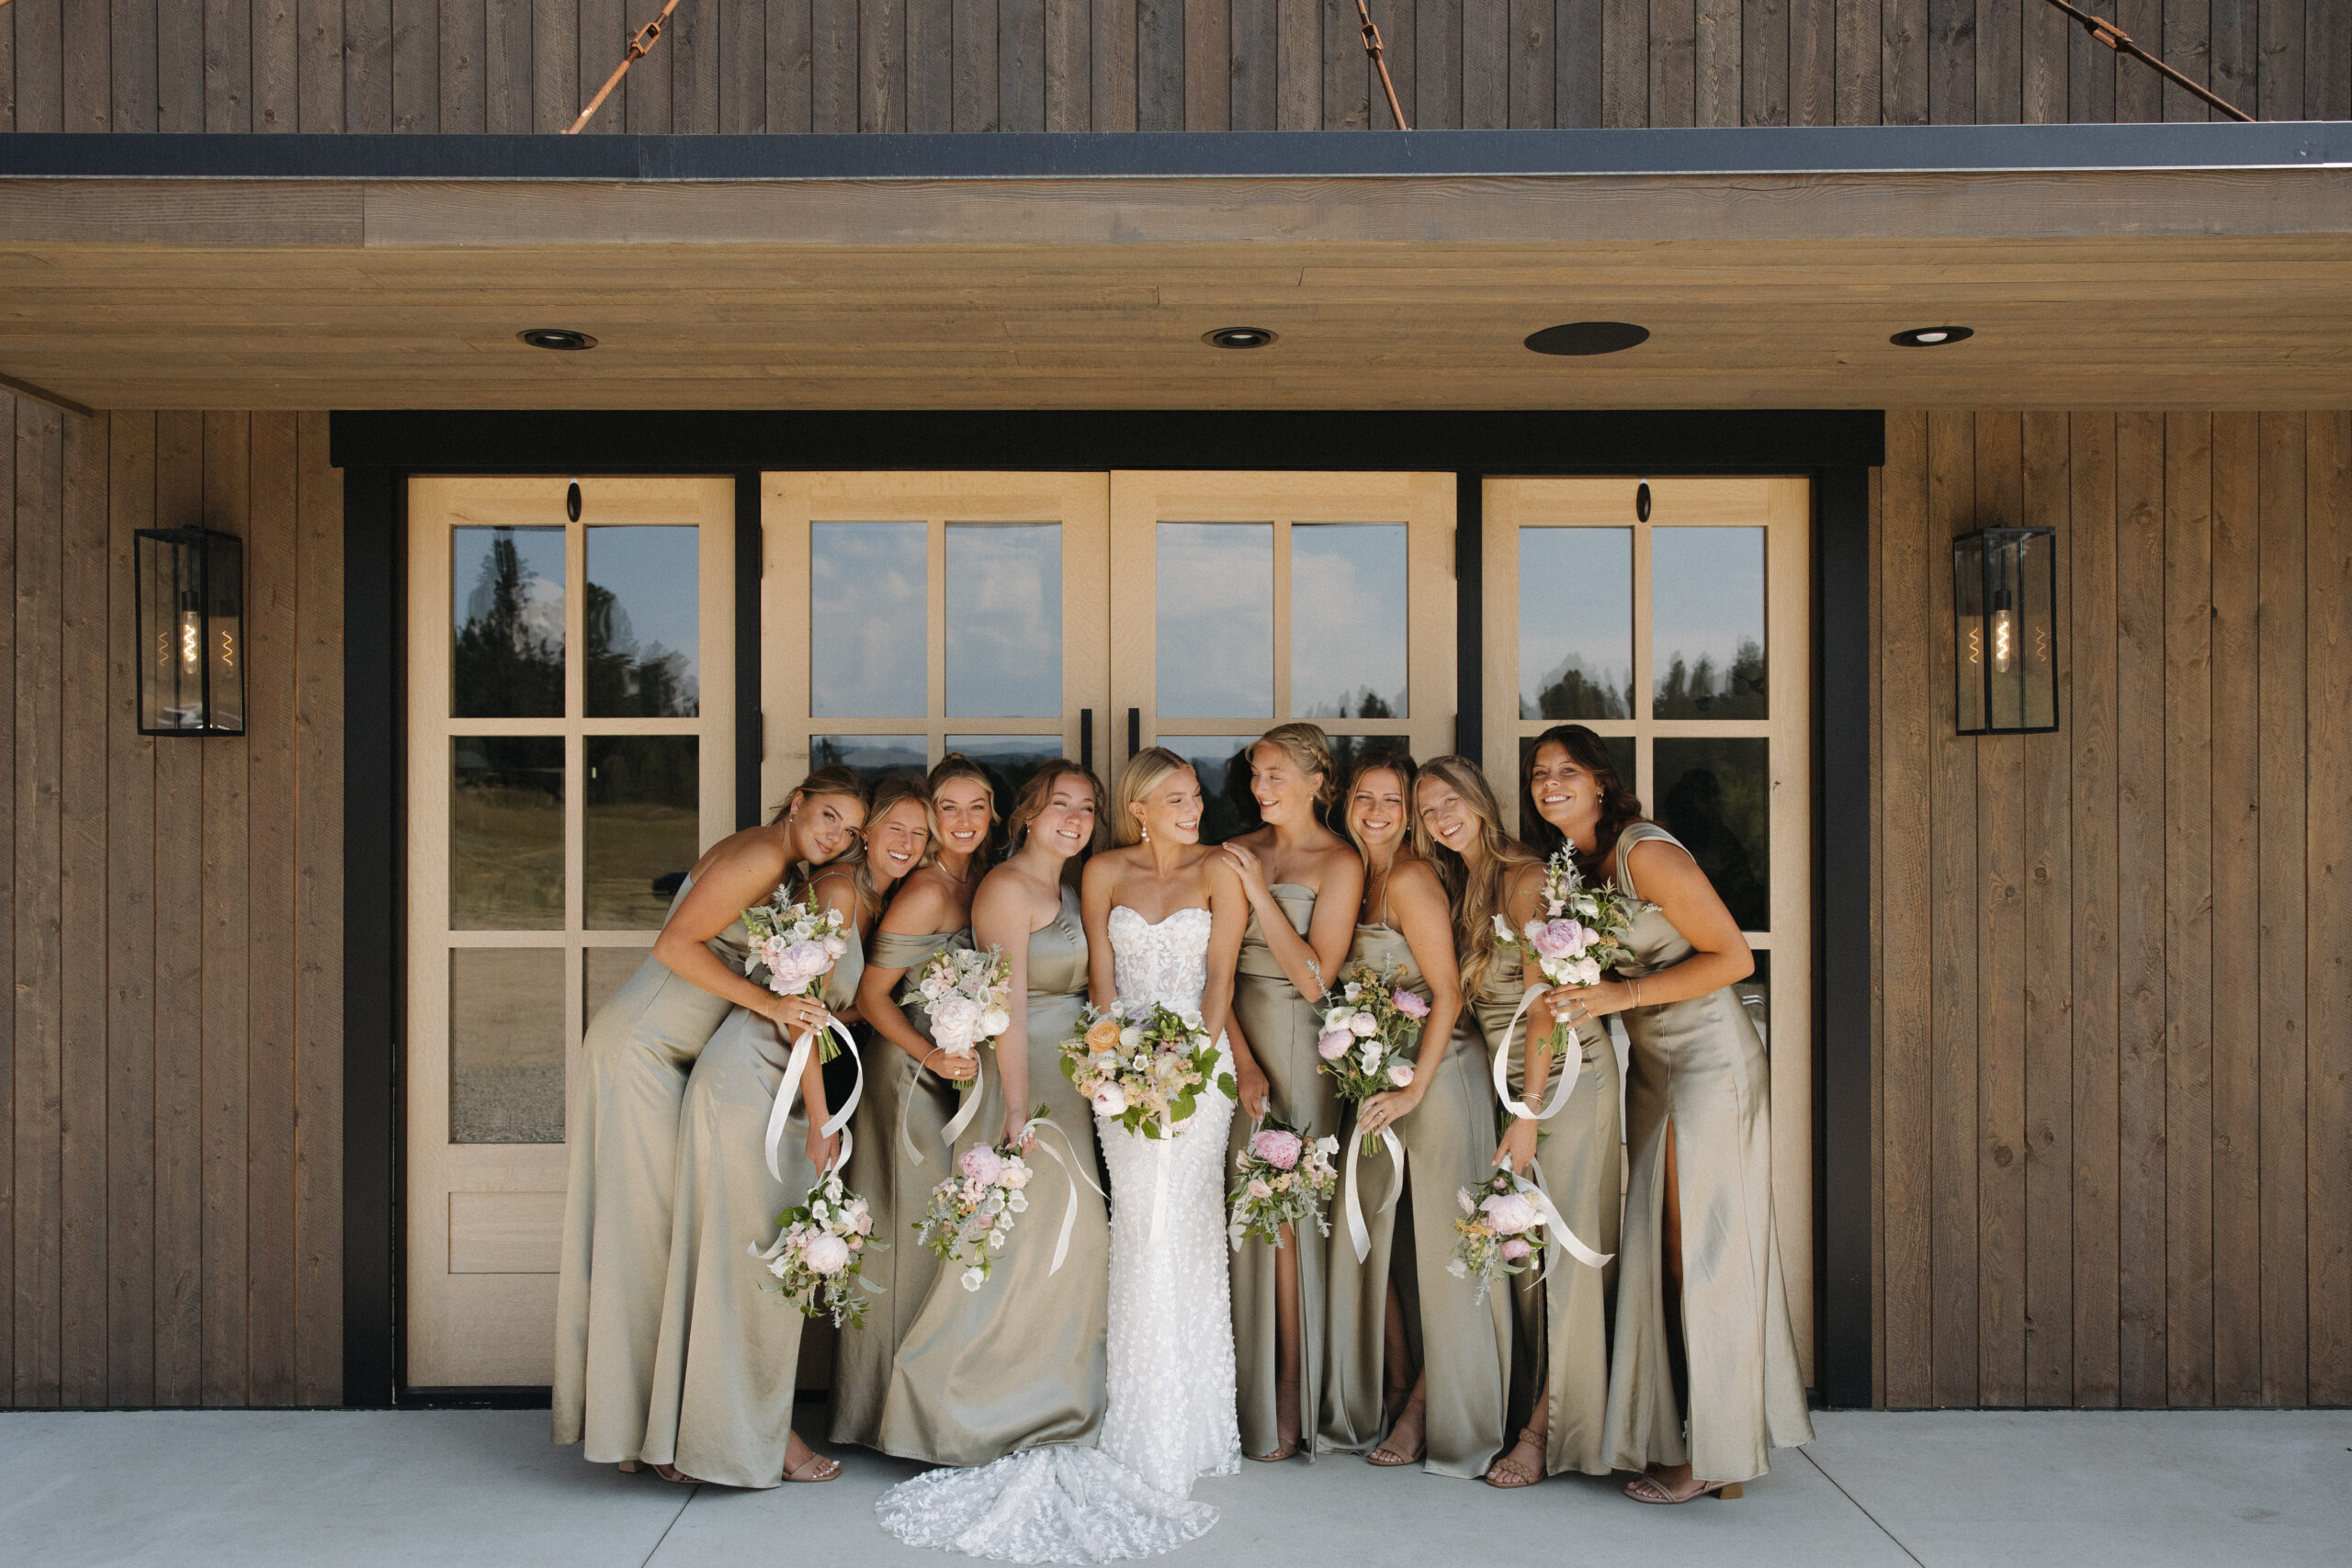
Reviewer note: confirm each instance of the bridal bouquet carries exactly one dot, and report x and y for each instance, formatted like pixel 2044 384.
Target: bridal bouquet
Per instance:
pixel 971 1212
pixel 964 992
pixel 1581 934
pixel 1371 1033
pixel 819 1251
pixel 1286 1178
pixel 798 943
pixel 1501 1231
pixel 1143 1065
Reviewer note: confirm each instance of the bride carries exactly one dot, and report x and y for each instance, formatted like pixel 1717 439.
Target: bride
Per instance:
pixel 1164 919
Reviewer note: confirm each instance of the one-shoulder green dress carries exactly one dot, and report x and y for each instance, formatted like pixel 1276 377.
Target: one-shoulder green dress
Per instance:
pixel 623 1129
pixel 1018 1363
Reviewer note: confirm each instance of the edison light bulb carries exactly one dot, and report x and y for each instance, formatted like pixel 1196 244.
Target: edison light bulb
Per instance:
pixel 2004 635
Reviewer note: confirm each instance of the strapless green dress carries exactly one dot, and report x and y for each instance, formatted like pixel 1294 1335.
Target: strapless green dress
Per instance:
pixel 622 1126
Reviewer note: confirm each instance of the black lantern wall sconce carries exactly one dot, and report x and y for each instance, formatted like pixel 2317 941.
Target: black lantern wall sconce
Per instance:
pixel 2005 623
pixel 191 630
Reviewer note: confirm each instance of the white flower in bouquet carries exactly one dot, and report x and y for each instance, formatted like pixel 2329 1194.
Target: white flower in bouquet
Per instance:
pixel 1285 1179
pixel 1500 1231
pixel 820 1252
pixel 970 1214
pixel 1143 1065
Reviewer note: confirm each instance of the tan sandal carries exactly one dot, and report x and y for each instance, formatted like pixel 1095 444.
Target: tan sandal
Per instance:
pixel 1506 1476
pixel 1390 1458
pixel 673 1475
pixel 1650 1489
pixel 816 1467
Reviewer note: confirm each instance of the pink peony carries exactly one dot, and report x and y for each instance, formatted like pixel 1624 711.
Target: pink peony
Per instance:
pixel 1277 1148
pixel 1559 938
pixel 1516 1248
pixel 1401 1075
pixel 1334 1044
pixel 825 1254
pixel 1364 1026
pixel 1511 1214
pixel 1410 1004
pixel 979 1163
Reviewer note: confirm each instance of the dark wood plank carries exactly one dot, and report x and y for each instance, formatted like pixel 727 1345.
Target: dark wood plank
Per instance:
pixel 882 66
pixel 743 68
pixel 179 974
pixel 1400 37
pixel 2000 61
pixel 2326 61
pixel 1208 65
pixel 1159 64
pixel 692 44
pixel 2091 79
pixel 8 447
pixel 2138 92
pixel 2049 952
pixel 228 66
pixel 318 921
pixel 601 33
pixel 791 84
pixel 40 68
pixel 1257 49
pixel 646 98
pixel 37 1205
pixel 367 66
pixel 1485 67
pixel 833 66
pixel 2186 44
pixel 1715 63
pixel 465 92
pixel 1021 65
pixel 2284 962
pixel 1437 65
pixel 1999 937
pixel 1346 74
pixel 276 66
pixel 86 73
pixel 2042 96
pixel 1906 559
pixel 1879 751
pixel 1528 44
pixel 2235 57
pixel 2328 902
pixel 7 122
pixel 2090 725
pixel 416 66
pixel 2279 72
pixel 1625 63
pixel 2140 882
pixel 508 64
pixel 318 66
pixel 2188 909
pixel 1577 57
pixel 1070 67
pixel 224 916
pixel 1111 65
pixel 1951 62
pixel 1813 94
pixel 272 892
pixel 82 912
pixel 931 66
pixel 130 67
pixel 130 934
pixel 1860 64
pixel 1674 48
pixel 1954 1028
pixel 1764 63
pixel 554 64
pixel 975 81
pixel 1299 69
pixel 2237 911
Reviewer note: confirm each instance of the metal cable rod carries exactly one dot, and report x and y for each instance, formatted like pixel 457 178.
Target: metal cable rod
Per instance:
pixel 2116 39
pixel 1372 46
pixel 639 47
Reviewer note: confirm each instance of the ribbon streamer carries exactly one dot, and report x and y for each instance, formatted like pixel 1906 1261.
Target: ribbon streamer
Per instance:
pixel 1069 1214
pixel 1359 1233
pixel 787 1091
pixel 1503 1069
pixel 1556 1226
pixel 956 1124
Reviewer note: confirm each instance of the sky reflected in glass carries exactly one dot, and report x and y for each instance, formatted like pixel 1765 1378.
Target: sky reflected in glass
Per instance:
pixel 1576 623
pixel 1004 620
pixel 1347 620
pixel 869 637
pixel 1707 622
pixel 1215 635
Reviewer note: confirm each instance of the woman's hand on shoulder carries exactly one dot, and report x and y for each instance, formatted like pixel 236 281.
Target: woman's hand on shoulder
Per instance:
pixel 1242 860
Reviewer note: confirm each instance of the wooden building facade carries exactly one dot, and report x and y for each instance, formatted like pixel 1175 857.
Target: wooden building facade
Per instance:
pixel 2109 1134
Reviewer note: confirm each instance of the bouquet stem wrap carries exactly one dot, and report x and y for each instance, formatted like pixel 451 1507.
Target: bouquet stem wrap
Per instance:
pixel 1503 1069
pixel 1359 1233
pixel 787 1091
pixel 956 1124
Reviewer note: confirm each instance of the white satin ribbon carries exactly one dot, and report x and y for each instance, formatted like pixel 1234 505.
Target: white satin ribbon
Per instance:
pixel 1070 1212
pixel 1359 1233
pixel 956 1124
pixel 1502 1068
pixel 787 1092
pixel 1159 1183
pixel 1532 1186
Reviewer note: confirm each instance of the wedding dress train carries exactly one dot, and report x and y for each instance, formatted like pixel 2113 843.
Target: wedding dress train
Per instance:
pixel 1170 1414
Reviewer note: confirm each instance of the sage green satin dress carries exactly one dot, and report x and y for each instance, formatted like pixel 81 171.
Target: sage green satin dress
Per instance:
pixel 896 1188
pixel 623 1129
pixel 1464 1346
pixel 1018 1363
pixel 1282 1026
pixel 1560 1326
pixel 729 1360
pixel 1698 1065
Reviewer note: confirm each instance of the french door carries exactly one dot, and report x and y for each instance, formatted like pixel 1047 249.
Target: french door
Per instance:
pixel 570 724
pixel 1676 624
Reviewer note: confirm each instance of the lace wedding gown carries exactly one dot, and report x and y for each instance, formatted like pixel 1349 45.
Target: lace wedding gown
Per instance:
pixel 1170 1416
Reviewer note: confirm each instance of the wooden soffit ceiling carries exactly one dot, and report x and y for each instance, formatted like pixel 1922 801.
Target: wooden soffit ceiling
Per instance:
pixel 2147 267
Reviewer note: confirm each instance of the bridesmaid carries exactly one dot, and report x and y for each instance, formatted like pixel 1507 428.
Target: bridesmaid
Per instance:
pixel 1704 1376
pixel 624 1114
pixel 1560 1357
pixel 1448 1413
pixel 726 1371
pixel 932 910
pixel 1304 883
pixel 1019 1362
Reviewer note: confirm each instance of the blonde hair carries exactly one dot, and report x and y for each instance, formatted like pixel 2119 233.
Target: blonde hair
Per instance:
pixel 1039 792
pixel 1397 763
pixel 895 789
pixel 1309 751
pixel 953 766
pixel 1475 900
pixel 1144 770
pixel 833 778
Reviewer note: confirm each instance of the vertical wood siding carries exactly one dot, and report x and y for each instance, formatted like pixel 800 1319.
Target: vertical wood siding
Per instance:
pixel 2116 1009
pixel 171 1201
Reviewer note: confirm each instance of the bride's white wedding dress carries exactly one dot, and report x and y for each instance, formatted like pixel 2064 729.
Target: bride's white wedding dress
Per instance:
pixel 1170 1415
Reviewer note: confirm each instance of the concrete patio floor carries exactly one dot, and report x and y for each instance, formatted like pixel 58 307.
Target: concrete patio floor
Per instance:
pixel 196 1488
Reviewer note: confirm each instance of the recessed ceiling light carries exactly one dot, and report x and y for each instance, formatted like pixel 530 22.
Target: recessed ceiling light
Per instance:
pixel 1588 337
pixel 1238 337
pixel 562 338
pixel 1931 338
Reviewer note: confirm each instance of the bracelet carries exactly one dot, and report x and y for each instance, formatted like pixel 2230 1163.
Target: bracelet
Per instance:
pixel 1638 991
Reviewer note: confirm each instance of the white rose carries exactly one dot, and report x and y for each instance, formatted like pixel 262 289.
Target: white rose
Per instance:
pixel 995 1021
pixel 1361 1026
pixel 1131 1037
pixel 1110 1100
pixel 825 1255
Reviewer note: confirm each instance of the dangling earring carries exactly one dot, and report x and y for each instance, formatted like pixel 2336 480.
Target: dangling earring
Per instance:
pixel 1147 833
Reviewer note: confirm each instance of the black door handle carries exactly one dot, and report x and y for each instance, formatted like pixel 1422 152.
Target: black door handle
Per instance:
pixel 1135 732
pixel 1086 739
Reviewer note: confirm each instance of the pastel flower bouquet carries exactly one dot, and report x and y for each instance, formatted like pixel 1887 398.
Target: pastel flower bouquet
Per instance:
pixel 1581 934
pixel 798 944
pixel 1371 1034
pixel 964 993
pixel 1143 1065
pixel 820 1252
pixel 1500 1232
pixel 971 1213
pixel 1285 1179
